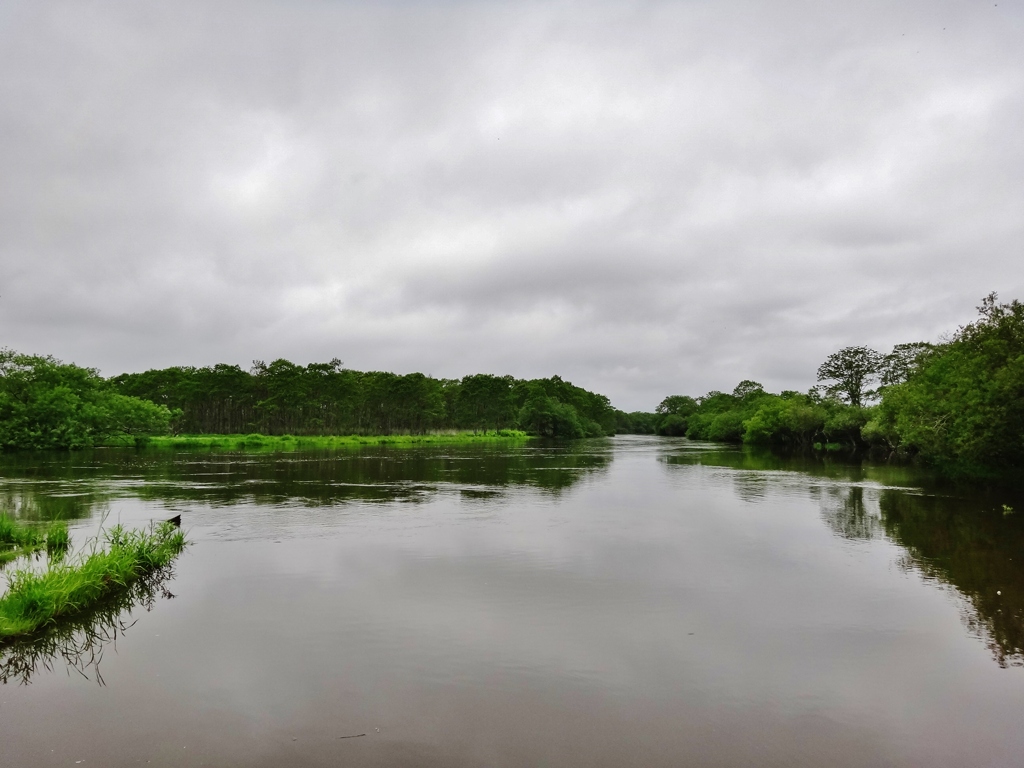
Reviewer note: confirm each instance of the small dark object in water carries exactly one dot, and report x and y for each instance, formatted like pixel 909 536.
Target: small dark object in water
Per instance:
pixel 175 521
pixel 356 736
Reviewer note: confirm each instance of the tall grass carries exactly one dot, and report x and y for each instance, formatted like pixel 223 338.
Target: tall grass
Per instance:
pixel 58 540
pixel 79 641
pixel 18 539
pixel 36 601
pixel 256 442
pixel 15 534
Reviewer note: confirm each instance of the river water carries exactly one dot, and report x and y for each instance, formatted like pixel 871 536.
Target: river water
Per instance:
pixel 629 601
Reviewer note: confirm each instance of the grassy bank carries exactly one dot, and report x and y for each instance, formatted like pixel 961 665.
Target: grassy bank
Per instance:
pixel 290 442
pixel 18 539
pixel 35 601
pixel 79 640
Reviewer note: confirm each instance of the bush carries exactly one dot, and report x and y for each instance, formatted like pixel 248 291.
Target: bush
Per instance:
pixel 45 403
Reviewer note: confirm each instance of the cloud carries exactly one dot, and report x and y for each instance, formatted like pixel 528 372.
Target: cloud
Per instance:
pixel 647 198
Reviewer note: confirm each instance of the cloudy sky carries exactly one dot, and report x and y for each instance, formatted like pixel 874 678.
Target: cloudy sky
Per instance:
pixel 646 198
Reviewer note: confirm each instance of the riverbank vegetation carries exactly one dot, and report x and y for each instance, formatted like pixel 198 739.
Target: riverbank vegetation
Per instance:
pixel 320 442
pixel 79 641
pixel 47 404
pixel 18 539
pixel 37 600
pixel 328 399
pixel 957 405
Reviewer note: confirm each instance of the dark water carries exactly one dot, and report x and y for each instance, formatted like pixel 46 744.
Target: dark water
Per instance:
pixel 633 601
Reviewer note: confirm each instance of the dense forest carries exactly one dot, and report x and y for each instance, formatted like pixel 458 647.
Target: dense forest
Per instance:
pixel 957 405
pixel 45 403
pixel 328 399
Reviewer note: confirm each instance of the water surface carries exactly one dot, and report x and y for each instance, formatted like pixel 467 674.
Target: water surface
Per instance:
pixel 631 601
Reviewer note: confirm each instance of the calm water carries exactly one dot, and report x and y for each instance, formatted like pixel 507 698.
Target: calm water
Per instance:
pixel 632 601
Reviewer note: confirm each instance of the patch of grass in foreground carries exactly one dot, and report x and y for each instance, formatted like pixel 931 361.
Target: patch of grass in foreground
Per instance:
pixel 292 443
pixel 18 539
pixel 36 601
pixel 80 640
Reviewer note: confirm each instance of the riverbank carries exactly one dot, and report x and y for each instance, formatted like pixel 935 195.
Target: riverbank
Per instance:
pixel 257 442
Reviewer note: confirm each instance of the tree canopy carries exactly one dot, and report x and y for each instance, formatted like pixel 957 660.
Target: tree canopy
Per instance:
pixel 961 406
pixel 45 403
pixel 851 371
pixel 326 398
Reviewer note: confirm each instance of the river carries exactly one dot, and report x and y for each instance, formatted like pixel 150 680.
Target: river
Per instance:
pixel 627 601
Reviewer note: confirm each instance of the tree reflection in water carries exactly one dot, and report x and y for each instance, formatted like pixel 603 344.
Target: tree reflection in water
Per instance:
pixel 849 512
pixel 79 643
pixel 954 536
pixel 972 545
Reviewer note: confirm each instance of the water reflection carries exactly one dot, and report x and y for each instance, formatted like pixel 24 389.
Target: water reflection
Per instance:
pixel 69 486
pixel 849 511
pixel 972 545
pixel 960 538
pixel 79 643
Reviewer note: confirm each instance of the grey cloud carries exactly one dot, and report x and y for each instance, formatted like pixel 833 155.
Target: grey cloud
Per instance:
pixel 647 198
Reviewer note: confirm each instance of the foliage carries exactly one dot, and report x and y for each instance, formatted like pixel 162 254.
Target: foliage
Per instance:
pixel 904 359
pixel 672 425
pixel 45 403
pixel 958 405
pixel 637 423
pixel 35 601
pixel 18 539
pixel 328 399
pixel 257 442
pixel 852 370
pixel 547 417
pixel 962 407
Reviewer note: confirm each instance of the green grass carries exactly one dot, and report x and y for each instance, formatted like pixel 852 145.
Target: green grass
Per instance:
pixel 58 540
pixel 257 442
pixel 36 601
pixel 18 539
pixel 79 640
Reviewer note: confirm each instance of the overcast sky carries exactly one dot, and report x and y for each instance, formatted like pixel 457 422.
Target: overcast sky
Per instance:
pixel 645 198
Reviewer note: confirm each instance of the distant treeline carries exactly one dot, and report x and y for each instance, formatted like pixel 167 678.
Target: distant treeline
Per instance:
pixel 956 405
pixel 329 399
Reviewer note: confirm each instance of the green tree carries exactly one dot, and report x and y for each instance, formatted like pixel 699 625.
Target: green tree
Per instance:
pixel 962 409
pixel 45 403
pixel 851 371
pixel 545 416
pixel 904 359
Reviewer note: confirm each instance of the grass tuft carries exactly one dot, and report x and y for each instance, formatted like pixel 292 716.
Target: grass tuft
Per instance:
pixel 36 601
pixel 17 539
pixel 58 540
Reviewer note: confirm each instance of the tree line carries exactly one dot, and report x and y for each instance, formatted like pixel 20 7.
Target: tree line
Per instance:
pixel 957 405
pixel 329 399
pixel 45 403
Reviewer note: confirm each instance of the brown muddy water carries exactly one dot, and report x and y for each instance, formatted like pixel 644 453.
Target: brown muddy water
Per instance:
pixel 630 601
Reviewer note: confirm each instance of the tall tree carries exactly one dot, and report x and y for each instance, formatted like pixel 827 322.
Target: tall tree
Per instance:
pixel 851 370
